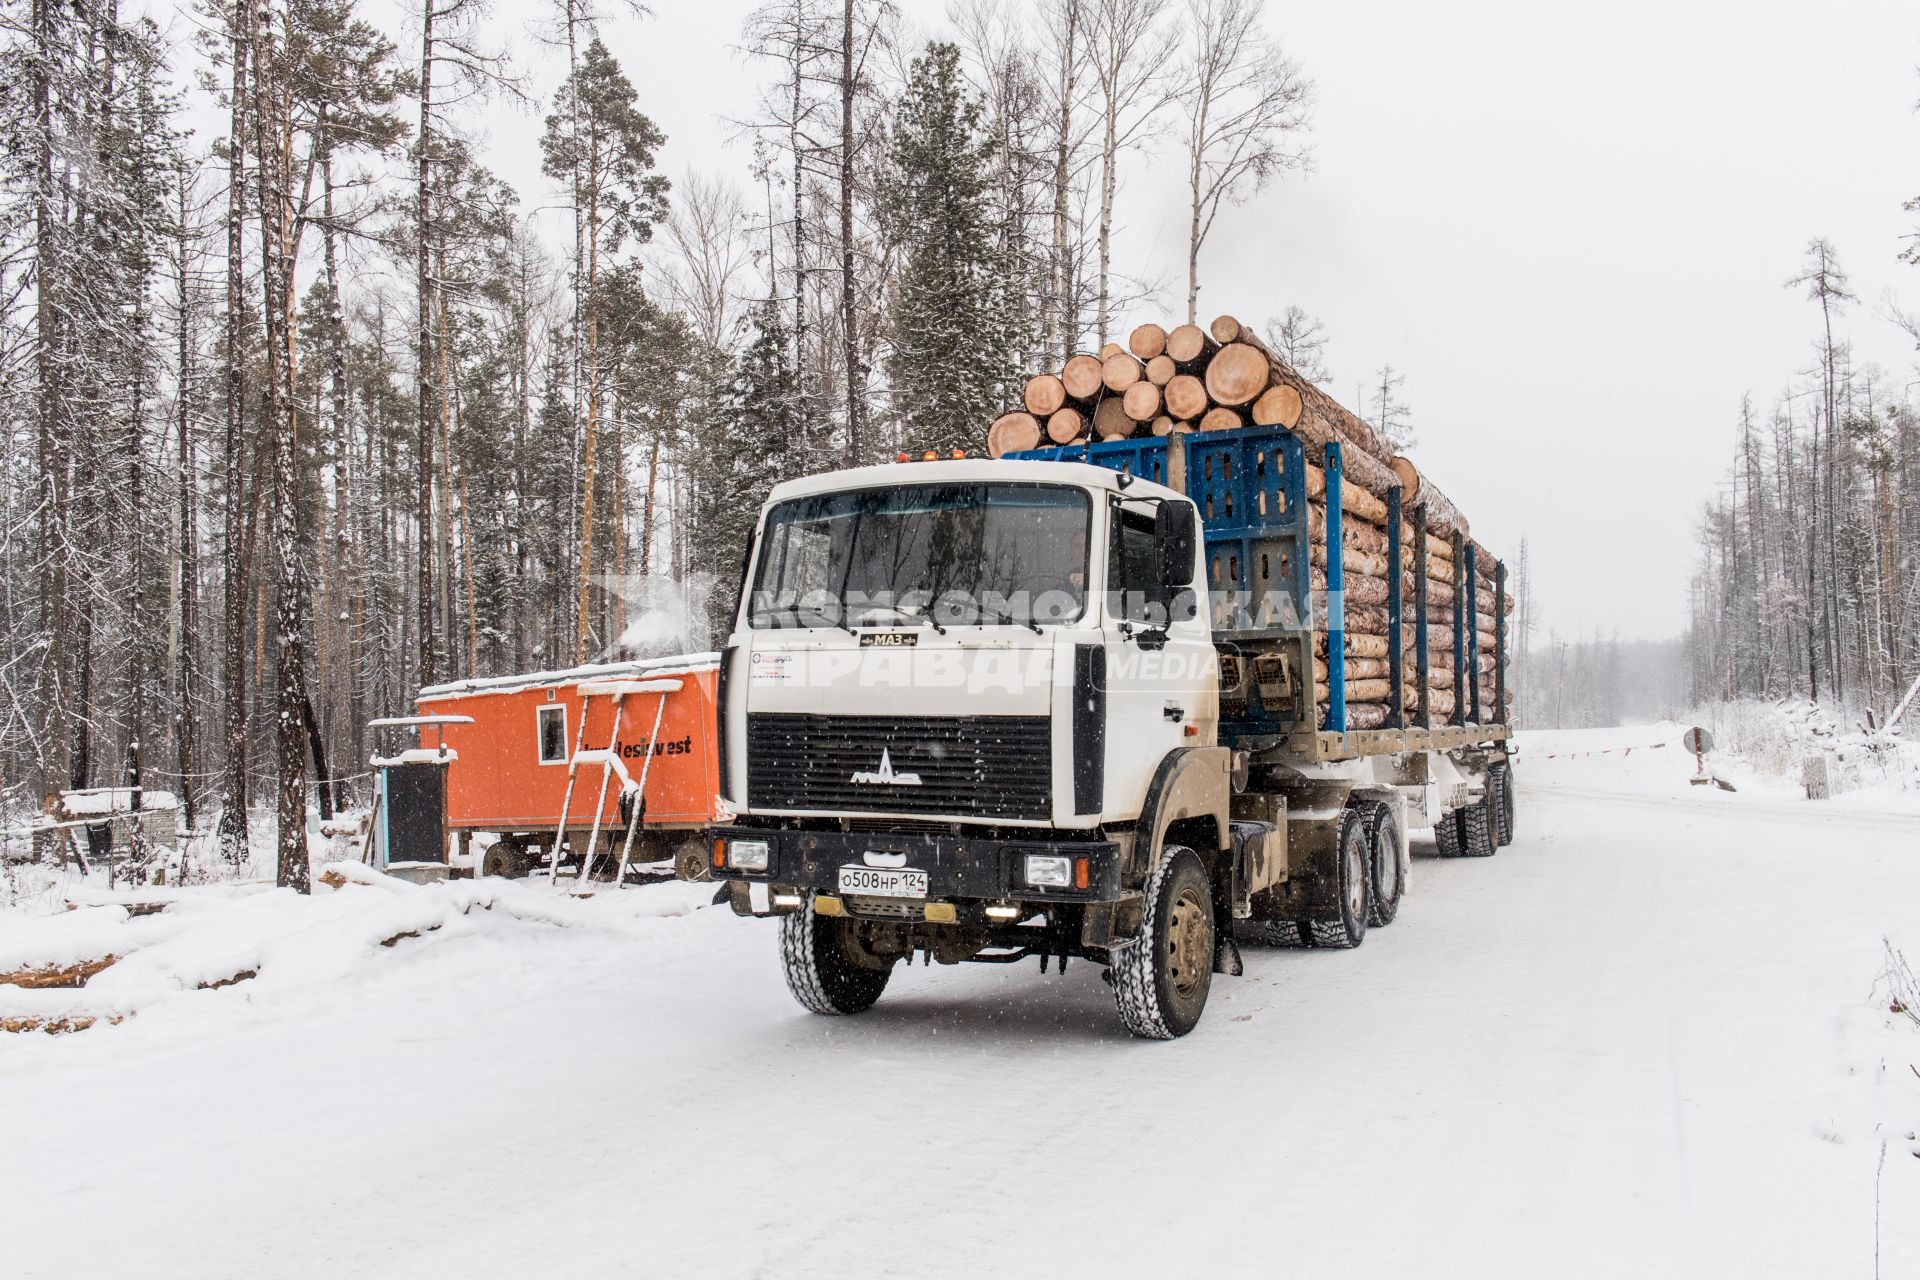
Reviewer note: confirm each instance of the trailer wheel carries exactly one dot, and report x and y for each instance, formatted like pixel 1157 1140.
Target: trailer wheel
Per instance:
pixel 1347 926
pixel 1477 827
pixel 506 858
pixel 1446 835
pixel 1384 882
pixel 1270 933
pixel 1160 983
pixel 1501 775
pixel 826 968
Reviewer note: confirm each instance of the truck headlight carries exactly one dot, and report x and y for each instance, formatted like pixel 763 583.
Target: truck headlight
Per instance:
pixel 747 855
pixel 1049 871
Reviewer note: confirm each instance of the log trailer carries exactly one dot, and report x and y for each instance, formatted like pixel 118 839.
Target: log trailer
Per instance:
pixel 1092 701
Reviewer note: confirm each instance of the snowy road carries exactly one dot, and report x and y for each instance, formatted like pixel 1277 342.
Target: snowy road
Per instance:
pixel 1638 1042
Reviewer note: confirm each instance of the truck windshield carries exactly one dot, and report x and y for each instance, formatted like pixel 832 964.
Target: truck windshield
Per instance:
pixel 940 554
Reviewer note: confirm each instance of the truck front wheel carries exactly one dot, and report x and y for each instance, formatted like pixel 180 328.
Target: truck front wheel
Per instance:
pixel 1160 983
pixel 826 968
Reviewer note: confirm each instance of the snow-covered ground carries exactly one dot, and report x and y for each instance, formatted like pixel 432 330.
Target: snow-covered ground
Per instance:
pixel 1645 1040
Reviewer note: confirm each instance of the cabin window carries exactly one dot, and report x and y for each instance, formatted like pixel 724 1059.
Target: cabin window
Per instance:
pixel 553 734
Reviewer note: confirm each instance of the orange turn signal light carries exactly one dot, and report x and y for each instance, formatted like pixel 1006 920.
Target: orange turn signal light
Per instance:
pixel 958 453
pixel 900 456
pixel 929 455
pixel 1080 873
pixel 719 853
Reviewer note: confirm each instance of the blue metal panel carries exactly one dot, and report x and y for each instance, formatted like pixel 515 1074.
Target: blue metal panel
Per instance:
pixel 1238 479
pixel 1145 456
pixel 1500 644
pixel 1397 700
pixel 1250 485
pixel 1473 637
pixel 1459 634
pixel 1421 646
pixel 1336 601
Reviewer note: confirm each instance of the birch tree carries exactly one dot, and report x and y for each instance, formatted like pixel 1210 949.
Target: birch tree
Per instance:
pixel 1126 40
pixel 1246 106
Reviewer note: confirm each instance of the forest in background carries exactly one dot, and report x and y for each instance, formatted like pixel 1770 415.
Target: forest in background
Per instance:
pixel 305 416
pixel 1808 584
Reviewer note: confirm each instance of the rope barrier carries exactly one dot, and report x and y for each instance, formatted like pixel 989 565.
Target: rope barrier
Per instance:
pixel 1605 751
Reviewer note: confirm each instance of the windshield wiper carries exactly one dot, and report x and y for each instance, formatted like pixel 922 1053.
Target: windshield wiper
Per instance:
pixel 1005 618
pixel 925 619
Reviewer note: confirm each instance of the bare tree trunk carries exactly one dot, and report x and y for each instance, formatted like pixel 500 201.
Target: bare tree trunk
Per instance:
pixel 849 317
pixel 590 452
pixel 233 801
pixel 1060 311
pixel 50 404
pixel 423 377
pixel 187 581
pixel 277 405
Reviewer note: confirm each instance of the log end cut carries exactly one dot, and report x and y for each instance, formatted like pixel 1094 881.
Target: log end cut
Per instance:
pixel 1012 433
pixel 1044 394
pixel 1237 374
pixel 1081 377
pixel 1147 341
pixel 1278 406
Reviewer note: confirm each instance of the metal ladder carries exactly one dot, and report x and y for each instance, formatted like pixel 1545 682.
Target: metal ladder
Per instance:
pixel 608 758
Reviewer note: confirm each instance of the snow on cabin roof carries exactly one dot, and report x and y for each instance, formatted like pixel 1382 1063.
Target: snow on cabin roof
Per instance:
pixel 572 675
pixel 95 801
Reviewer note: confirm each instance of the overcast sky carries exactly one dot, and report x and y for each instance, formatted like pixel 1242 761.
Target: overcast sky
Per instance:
pixel 1569 230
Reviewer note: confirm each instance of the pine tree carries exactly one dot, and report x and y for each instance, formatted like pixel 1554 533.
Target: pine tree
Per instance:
pixel 950 361
pixel 602 145
pixel 751 445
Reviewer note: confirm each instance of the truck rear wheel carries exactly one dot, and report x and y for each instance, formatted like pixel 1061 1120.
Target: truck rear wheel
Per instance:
pixel 1384 882
pixel 1446 834
pixel 826 968
pixel 1501 776
pixel 1347 925
pixel 1160 983
pixel 1477 827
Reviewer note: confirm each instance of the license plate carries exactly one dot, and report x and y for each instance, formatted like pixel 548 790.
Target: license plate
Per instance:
pixel 881 882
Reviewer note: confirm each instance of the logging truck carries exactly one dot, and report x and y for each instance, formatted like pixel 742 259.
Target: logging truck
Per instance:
pixel 1130 700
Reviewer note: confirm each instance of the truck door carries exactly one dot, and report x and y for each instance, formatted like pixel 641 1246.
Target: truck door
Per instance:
pixel 1161 690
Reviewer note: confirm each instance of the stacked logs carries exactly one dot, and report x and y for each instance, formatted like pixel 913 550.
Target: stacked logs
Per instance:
pixel 1174 381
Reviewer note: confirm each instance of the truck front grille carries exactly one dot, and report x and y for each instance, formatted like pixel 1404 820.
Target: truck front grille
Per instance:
pixel 967 766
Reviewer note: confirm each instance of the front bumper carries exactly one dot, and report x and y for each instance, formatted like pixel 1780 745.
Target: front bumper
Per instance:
pixel 958 867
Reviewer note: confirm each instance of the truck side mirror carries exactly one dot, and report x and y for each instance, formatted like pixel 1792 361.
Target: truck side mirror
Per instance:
pixel 1173 530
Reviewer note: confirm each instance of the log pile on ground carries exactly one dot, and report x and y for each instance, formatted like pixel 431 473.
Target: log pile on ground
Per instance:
pixel 1187 379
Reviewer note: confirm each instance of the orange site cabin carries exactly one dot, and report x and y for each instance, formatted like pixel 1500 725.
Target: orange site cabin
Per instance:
pixel 530 738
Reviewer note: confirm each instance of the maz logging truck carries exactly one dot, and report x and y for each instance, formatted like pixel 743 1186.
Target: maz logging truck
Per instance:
pixel 1103 701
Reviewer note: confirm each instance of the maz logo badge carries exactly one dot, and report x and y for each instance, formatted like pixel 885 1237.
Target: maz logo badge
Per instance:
pixel 889 639
pixel 884 776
